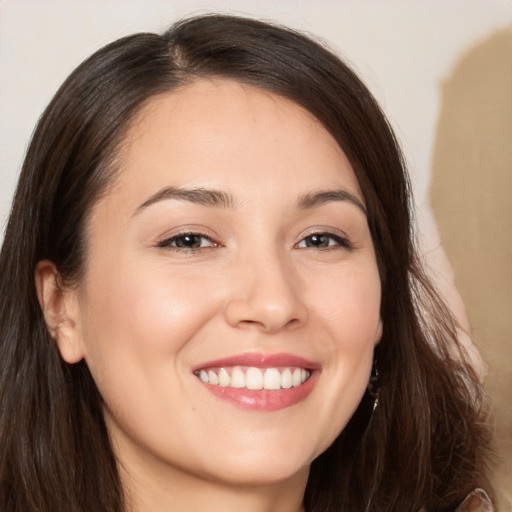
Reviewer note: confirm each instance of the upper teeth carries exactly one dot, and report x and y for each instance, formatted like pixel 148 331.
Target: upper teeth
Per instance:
pixel 255 378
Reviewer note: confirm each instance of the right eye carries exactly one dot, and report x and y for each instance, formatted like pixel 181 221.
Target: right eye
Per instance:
pixel 187 242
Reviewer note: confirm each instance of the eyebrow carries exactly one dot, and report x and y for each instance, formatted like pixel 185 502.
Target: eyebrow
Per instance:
pixel 218 198
pixel 201 196
pixel 326 196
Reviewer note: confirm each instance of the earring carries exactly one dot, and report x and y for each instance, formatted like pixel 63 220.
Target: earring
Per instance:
pixel 362 418
pixel 373 385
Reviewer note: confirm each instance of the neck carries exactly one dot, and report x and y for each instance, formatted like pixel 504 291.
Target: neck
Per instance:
pixel 181 491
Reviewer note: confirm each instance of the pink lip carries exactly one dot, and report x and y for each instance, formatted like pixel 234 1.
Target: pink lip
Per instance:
pixel 263 400
pixel 260 361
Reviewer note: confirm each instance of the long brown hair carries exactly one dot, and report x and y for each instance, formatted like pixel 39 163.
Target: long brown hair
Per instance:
pixel 426 444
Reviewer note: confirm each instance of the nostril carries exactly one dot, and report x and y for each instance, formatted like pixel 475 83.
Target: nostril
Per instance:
pixel 251 324
pixel 268 325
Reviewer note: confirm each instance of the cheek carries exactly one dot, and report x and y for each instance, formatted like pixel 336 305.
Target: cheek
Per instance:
pixel 144 300
pixel 140 318
pixel 348 303
pixel 348 313
pixel 355 308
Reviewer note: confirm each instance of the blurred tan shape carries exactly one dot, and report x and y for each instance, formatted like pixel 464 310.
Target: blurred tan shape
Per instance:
pixel 471 196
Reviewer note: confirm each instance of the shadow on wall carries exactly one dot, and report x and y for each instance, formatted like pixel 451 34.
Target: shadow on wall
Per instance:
pixel 471 197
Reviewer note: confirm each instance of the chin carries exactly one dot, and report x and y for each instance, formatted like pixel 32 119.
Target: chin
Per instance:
pixel 260 467
pixel 261 475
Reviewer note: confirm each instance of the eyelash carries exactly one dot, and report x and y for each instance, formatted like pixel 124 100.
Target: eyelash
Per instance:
pixel 339 241
pixel 167 243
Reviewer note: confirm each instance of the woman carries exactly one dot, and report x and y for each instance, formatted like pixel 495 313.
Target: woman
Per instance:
pixel 227 308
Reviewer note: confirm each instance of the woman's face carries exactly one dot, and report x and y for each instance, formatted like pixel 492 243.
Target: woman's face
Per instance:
pixel 231 253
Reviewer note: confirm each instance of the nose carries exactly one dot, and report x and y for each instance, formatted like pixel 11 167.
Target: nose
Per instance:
pixel 266 296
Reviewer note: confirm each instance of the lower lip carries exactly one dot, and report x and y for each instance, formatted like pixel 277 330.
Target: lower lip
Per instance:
pixel 263 399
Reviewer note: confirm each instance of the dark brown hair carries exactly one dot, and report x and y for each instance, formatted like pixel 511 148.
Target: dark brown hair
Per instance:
pixel 425 446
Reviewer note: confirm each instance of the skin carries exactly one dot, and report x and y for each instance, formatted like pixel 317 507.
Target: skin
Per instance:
pixel 146 315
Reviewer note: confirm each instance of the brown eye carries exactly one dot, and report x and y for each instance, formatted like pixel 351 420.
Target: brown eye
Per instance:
pixel 318 241
pixel 187 241
pixel 323 241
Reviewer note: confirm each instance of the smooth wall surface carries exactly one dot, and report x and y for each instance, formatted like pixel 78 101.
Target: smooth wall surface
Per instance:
pixel 440 68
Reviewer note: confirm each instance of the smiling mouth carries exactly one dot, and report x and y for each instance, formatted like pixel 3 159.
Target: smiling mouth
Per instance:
pixel 254 378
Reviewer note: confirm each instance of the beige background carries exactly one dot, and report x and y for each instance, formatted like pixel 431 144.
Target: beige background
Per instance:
pixel 440 68
pixel 471 196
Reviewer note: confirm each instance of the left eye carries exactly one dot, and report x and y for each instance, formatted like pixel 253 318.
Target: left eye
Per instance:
pixel 187 241
pixel 323 241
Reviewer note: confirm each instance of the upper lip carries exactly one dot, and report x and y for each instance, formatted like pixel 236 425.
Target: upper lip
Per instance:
pixel 259 360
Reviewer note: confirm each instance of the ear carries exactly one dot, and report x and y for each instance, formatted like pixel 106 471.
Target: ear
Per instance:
pixel 61 311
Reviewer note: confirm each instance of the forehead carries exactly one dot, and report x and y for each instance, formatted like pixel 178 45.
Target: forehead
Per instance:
pixel 217 132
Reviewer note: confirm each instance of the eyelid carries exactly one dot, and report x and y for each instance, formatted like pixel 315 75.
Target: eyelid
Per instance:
pixel 339 236
pixel 165 241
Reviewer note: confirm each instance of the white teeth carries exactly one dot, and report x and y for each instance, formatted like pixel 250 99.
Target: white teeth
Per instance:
pixel 286 379
pixel 237 379
pixel 296 377
pixel 272 379
pixel 224 378
pixel 255 378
